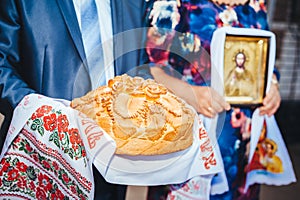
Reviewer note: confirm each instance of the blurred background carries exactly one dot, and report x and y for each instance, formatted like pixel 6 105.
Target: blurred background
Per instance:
pixel 284 20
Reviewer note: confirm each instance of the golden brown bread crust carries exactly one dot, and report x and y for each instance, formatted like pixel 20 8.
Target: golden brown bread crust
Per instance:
pixel 142 116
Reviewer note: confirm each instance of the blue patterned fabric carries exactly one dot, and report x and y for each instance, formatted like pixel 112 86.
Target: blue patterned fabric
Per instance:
pixel 201 18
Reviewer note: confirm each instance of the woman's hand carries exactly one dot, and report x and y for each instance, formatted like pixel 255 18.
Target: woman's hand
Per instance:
pixel 206 101
pixel 271 101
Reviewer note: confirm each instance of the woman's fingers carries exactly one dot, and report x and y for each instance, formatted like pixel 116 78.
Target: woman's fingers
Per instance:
pixel 208 102
pixel 271 102
pixel 218 102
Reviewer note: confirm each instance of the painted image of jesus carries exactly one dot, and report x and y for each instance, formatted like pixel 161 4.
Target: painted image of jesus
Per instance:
pixel 240 81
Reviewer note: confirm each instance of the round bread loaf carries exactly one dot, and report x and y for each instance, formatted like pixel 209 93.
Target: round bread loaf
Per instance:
pixel 142 116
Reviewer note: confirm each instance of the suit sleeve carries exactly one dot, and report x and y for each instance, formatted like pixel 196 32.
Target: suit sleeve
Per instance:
pixel 12 87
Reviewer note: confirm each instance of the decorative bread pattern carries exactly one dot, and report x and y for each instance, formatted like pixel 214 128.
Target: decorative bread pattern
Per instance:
pixel 142 116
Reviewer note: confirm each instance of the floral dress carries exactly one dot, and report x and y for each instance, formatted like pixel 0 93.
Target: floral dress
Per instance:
pixel 196 22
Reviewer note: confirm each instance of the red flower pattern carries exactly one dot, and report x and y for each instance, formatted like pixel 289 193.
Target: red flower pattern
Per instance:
pixel 44 186
pixel 44 182
pixel 21 166
pixel 57 125
pixel 40 194
pixel 74 136
pixel 62 123
pixel 35 157
pixel 4 166
pixel 13 175
pixel 22 183
pixel 57 195
pixel 50 122
pixel 46 164
pixel 55 165
pixel 28 147
pixel 82 197
pixel 65 178
pixel 45 109
pixel 73 189
pixel 18 139
pixel 31 185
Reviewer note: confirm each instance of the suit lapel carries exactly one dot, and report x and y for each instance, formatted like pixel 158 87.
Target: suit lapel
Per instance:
pixel 82 83
pixel 117 24
pixel 69 14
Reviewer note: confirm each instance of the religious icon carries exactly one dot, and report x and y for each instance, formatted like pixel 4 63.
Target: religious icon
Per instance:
pixel 265 156
pixel 245 69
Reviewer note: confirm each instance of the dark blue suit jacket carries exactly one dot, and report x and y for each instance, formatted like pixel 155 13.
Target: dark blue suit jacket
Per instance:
pixel 41 48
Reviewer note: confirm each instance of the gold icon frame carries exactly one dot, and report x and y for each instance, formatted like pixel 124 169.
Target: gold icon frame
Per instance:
pixel 256 52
